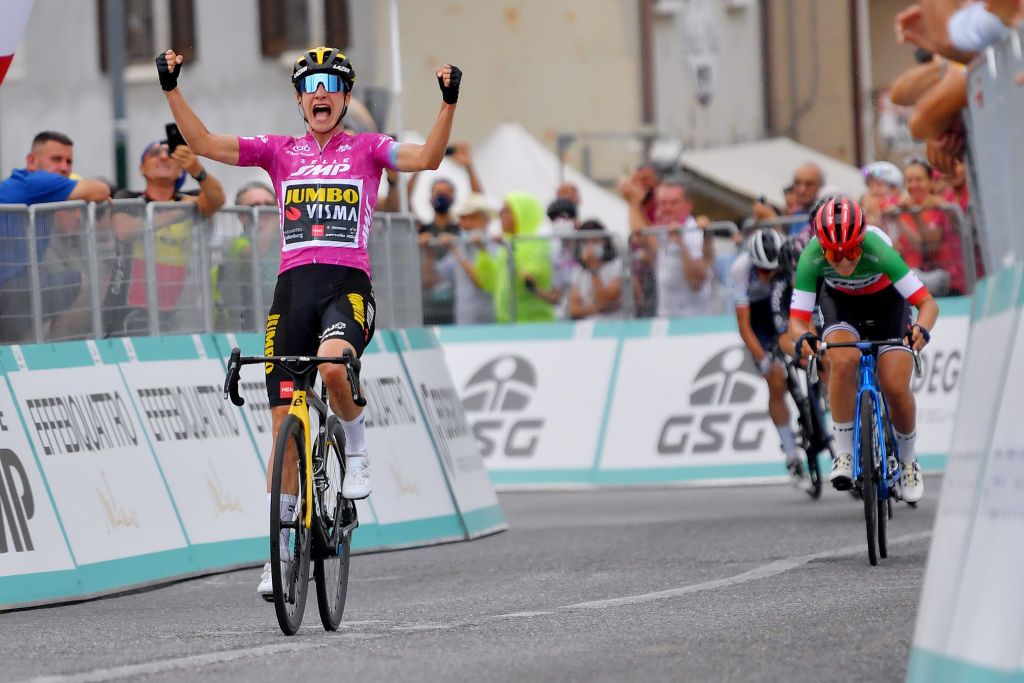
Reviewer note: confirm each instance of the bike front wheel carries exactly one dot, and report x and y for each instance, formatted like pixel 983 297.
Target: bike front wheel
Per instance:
pixel 289 539
pixel 336 518
pixel 867 448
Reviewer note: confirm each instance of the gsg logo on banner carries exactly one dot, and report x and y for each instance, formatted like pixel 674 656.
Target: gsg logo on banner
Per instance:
pixel 722 412
pixel 533 404
pixel 500 393
pixel 688 400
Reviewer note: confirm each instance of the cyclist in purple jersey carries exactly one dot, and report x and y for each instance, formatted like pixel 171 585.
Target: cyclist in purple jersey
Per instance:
pixel 326 183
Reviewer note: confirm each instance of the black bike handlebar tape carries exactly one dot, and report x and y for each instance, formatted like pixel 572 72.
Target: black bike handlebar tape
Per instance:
pixel 168 78
pixel 450 92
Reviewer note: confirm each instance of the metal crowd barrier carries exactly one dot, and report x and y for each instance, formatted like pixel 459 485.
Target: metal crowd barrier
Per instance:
pixel 72 270
pixel 996 163
pixel 631 260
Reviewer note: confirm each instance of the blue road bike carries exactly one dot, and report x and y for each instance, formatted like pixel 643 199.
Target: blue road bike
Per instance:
pixel 877 469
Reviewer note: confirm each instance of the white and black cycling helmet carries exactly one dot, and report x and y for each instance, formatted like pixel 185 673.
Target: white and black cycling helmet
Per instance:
pixel 764 248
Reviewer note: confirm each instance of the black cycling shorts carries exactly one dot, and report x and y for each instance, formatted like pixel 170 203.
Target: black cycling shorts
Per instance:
pixel 314 303
pixel 882 315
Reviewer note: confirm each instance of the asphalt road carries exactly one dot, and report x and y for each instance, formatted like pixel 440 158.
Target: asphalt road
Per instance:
pixel 726 584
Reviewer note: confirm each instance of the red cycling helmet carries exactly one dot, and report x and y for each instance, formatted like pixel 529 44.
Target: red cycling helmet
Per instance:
pixel 839 223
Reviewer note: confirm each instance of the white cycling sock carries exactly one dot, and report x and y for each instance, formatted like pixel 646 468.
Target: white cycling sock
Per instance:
pixel 788 442
pixel 906 444
pixel 287 515
pixel 355 435
pixel 843 434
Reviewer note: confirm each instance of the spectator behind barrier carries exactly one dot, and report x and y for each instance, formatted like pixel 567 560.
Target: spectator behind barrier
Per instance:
pixel 232 285
pixel 957 192
pixel 885 184
pixel 521 217
pixel 569 192
pixel 596 289
pixel 639 191
pixel 683 258
pixel 564 221
pixel 47 177
pixel 470 263
pixel 125 304
pixel 919 237
pixel 808 179
pixel 438 295
pixel 956 30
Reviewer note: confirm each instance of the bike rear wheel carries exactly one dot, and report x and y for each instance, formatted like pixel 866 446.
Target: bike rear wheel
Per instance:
pixel 289 569
pixel 867 448
pixel 335 512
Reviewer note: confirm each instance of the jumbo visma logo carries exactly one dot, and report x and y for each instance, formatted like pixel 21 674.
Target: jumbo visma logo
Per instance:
pixel 496 399
pixel 728 401
pixel 322 212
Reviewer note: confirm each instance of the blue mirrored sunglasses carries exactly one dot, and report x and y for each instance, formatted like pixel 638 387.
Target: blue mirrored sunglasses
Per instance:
pixel 331 83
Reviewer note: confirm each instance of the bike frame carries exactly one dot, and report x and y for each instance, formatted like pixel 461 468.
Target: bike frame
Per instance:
pixel 867 383
pixel 301 401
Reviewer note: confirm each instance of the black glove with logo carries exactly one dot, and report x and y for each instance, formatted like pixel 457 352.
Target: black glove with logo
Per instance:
pixel 168 78
pixel 811 341
pixel 450 92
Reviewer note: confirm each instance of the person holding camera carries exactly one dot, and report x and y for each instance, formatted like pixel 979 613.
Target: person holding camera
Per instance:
pixel 165 171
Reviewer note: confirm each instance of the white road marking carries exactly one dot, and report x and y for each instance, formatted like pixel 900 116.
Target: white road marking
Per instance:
pixel 382 627
pixel 762 572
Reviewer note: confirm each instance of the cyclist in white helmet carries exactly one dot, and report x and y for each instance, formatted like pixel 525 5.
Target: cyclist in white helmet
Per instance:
pixel 761 292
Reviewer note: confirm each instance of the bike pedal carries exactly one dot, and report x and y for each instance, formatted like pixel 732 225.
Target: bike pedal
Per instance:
pixel 268 597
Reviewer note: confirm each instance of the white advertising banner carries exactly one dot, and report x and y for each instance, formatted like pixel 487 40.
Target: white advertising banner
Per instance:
pixel 532 404
pixel 974 419
pixel 30 536
pixel 105 483
pixel 203 448
pixel 459 450
pixel 987 622
pixel 407 480
pixel 688 401
pixel 938 390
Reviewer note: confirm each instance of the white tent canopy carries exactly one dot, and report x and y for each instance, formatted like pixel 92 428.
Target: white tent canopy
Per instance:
pixel 766 166
pixel 511 159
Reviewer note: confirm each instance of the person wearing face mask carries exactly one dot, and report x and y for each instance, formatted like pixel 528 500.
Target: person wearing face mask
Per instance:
pixel 562 214
pixel 596 290
pixel 470 263
pixel 435 238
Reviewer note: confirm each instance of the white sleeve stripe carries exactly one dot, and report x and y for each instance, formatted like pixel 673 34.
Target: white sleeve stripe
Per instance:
pixel 908 284
pixel 803 301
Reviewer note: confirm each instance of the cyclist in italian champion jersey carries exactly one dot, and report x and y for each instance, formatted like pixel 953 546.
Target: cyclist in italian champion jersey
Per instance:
pixel 761 292
pixel 866 292
pixel 326 183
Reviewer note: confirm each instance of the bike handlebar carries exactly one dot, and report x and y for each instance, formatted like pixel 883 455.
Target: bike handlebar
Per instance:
pixel 303 365
pixel 865 347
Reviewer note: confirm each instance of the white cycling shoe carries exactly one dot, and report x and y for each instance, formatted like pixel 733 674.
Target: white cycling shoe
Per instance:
pixel 265 589
pixel 842 472
pixel 357 484
pixel 912 483
pixel 797 477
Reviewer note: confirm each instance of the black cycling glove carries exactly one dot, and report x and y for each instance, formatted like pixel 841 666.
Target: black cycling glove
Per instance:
pixel 812 343
pixel 168 78
pixel 450 93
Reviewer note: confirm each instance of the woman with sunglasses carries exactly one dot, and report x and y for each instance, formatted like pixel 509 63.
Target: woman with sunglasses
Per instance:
pixel 866 291
pixel 326 183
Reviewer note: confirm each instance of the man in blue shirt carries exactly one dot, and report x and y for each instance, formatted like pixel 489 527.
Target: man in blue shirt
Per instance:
pixel 45 178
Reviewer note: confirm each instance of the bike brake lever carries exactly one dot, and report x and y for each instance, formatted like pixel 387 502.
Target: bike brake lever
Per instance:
pixel 231 381
pixel 352 367
pixel 918 369
pixel 812 368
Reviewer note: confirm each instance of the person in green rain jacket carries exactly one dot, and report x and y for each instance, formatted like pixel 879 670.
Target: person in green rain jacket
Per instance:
pixel 521 216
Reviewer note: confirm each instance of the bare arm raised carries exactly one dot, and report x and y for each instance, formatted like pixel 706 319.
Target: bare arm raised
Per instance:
pixel 219 147
pixel 413 157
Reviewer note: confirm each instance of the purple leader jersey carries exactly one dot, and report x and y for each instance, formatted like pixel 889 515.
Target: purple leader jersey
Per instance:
pixel 326 197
